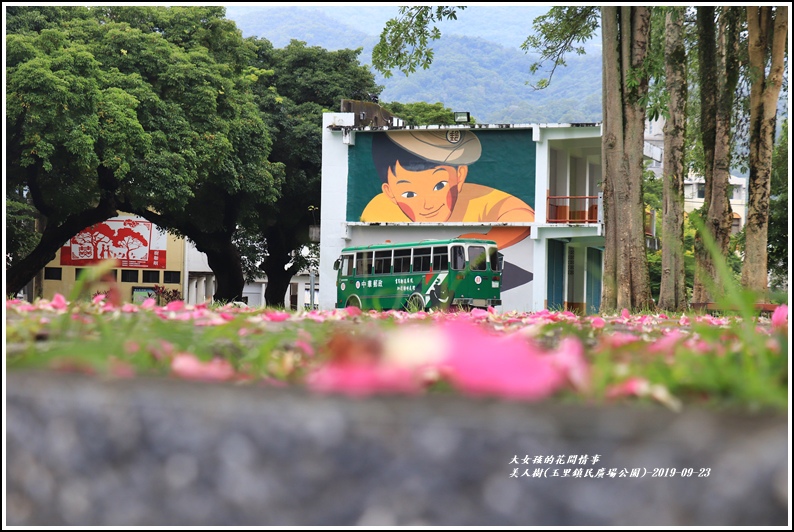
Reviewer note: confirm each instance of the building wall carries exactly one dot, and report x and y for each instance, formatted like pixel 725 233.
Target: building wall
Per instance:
pixel 173 271
pixel 566 159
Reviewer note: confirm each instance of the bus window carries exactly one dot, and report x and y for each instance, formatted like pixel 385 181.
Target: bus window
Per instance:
pixel 402 260
pixel 496 259
pixel 383 262
pixel 422 260
pixel 440 258
pixel 347 265
pixel 364 263
pixel 458 258
pixel 477 258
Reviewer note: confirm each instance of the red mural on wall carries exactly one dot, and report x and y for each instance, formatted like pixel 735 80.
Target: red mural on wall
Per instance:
pixel 133 241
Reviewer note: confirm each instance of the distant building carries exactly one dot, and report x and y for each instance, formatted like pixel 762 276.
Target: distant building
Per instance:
pixel 147 256
pixel 695 192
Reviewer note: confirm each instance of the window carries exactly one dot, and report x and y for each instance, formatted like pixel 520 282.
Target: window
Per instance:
pixel 701 191
pixel 440 258
pixel 151 276
pixel 77 272
pixel 422 260
pixel 171 277
pixel 347 265
pixel 383 261
pixel 364 263
pixel 458 258
pixel 477 258
pixel 53 274
pixel 129 276
pixel 402 260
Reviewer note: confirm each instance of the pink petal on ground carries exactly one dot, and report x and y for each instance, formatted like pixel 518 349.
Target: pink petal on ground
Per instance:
pixel 635 386
pixel 175 306
pixel 625 314
pixel 276 316
pixel 667 343
pixel 98 299
pixel 480 363
pixel 59 302
pixel 188 366
pixel 353 311
pixel 362 378
pixel 597 322
pixel 479 313
pixel 780 317
pixel 684 321
pixel 148 303
pixel 569 358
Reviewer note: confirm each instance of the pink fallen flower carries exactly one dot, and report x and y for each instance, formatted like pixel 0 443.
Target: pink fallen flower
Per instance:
pixel 780 317
pixel 59 302
pixel 175 306
pixel 363 378
pixel 188 366
pixel 569 358
pixel 148 303
pixel 480 363
pixel 276 316
pixel 634 386
pixel 597 322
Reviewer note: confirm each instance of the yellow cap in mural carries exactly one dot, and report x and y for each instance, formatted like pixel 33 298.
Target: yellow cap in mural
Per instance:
pixel 451 146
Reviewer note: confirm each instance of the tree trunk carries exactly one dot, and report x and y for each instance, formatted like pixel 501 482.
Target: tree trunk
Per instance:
pixel 764 94
pixel 224 259
pixel 278 275
pixel 52 239
pixel 626 33
pixel 672 293
pixel 719 76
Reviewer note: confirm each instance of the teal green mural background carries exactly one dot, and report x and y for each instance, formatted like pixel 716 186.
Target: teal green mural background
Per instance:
pixel 507 163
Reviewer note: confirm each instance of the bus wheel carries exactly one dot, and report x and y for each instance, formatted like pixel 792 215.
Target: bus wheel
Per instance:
pixel 353 301
pixel 415 303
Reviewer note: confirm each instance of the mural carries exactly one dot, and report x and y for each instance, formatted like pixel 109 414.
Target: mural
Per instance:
pixel 135 242
pixel 429 176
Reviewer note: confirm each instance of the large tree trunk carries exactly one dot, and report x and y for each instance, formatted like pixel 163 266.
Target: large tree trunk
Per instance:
pixel 278 275
pixel 224 259
pixel 719 64
pixel 52 239
pixel 672 293
pixel 626 33
pixel 764 94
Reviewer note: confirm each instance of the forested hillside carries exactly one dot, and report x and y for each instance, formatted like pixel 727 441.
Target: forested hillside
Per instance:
pixel 488 77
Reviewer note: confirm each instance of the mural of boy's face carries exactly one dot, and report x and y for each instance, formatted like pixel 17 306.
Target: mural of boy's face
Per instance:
pixel 425 195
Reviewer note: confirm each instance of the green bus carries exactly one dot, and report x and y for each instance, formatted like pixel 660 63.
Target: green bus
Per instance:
pixel 439 274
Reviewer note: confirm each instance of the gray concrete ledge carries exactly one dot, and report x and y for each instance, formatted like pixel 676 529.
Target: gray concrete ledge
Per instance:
pixel 148 452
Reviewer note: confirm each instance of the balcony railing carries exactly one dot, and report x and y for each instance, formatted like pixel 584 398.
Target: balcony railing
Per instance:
pixel 572 210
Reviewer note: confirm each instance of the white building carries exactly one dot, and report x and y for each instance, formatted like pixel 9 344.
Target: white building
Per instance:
pixel 695 192
pixel 558 266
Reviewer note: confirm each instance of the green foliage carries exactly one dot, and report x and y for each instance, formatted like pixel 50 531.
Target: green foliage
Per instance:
pixel 404 41
pixel 556 34
pixel 421 113
pixel 20 231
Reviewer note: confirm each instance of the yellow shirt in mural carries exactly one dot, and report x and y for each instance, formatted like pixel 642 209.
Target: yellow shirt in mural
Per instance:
pixel 476 203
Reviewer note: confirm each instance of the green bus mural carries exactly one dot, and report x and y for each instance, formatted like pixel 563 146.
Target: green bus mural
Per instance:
pixel 439 274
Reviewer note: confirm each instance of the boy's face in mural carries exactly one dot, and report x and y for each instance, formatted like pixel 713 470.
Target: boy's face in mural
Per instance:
pixel 425 195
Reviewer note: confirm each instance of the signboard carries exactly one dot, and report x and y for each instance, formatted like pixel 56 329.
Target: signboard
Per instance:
pixel 132 240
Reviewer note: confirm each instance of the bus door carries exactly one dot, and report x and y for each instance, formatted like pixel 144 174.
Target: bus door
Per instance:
pixel 344 279
pixel 480 287
pixel 363 275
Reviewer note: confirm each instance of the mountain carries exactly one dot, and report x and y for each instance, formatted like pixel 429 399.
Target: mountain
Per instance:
pixel 478 65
